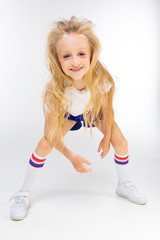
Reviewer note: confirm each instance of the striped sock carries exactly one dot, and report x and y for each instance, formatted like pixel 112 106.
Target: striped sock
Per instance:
pixel 121 160
pixel 122 167
pixel 35 162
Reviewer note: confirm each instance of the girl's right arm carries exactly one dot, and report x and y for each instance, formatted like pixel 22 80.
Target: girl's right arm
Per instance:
pixel 76 160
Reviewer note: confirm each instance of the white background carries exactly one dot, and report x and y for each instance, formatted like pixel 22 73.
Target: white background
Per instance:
pixel 66 204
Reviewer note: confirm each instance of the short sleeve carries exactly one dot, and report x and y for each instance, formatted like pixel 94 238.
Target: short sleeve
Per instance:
pixel 107 86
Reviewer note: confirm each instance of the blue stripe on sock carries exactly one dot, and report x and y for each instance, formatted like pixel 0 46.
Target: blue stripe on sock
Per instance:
pixel 36 165
pixel 121 163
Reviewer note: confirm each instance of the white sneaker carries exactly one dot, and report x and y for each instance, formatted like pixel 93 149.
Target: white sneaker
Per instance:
pixel 128 190
pixel 19 205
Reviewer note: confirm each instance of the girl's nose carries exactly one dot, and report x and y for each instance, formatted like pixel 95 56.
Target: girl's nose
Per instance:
pixel 75 61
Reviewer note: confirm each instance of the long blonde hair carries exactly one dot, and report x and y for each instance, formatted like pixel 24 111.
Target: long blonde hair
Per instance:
pixel 55 103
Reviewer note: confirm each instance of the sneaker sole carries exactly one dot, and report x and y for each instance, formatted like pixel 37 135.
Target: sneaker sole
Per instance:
pixel 122 196
pixel 22 217
pixel 18 218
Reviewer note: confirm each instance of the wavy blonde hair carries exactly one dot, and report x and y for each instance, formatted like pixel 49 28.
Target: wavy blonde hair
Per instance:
pixel 55 103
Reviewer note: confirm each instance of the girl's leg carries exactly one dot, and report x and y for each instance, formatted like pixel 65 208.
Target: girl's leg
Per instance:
pixel 38 157
pixel 21 200
pixel 124 188
pixel 121 156
pixel 120 146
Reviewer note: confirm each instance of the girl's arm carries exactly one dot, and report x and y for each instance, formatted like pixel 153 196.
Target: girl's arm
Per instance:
pixel 107 126
pixel 76 160
pixel 65 151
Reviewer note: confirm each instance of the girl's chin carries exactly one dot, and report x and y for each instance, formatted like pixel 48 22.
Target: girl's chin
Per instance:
pixel 75 77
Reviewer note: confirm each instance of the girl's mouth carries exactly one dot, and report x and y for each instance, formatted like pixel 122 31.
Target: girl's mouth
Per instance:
pixel 76 69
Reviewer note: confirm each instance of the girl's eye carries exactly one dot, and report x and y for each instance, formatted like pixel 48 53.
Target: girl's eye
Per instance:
pixel 82 54
pixel 66 56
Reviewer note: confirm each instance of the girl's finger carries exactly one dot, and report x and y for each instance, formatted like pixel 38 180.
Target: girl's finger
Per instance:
pixel 104 153
pixel 89 170
pixel 99 148
pixel 88 162
pixel 102 156
pixel 85 169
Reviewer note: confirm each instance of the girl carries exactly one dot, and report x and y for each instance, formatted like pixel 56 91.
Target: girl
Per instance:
pixel 80 91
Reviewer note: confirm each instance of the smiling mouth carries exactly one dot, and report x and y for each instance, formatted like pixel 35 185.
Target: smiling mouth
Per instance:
pixel 76 69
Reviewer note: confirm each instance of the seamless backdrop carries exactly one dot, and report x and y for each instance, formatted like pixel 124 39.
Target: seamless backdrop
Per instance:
pixel 129 35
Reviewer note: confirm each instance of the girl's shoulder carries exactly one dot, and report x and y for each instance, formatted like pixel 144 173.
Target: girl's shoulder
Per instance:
pixel 107 86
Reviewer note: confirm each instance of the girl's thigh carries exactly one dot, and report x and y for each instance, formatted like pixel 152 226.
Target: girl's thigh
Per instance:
pixel 117 137
pixel 68 124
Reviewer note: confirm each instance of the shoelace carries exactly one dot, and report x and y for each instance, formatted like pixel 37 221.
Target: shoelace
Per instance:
pixel 20 200
pixel 130 186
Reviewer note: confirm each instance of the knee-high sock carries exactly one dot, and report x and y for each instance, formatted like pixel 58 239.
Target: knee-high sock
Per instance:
pixel 35 164
pixel 122 167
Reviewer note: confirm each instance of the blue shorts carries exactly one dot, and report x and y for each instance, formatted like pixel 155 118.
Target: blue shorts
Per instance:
pixel 79 121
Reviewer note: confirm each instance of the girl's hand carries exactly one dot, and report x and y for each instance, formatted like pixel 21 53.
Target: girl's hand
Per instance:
pixel 104 146
pixel 78 163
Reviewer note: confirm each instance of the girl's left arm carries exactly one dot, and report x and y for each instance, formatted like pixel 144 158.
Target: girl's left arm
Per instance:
pixel 107 126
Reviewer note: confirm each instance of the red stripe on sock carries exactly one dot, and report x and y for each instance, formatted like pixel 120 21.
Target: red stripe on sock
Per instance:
pixel 121 158
pixel 38 160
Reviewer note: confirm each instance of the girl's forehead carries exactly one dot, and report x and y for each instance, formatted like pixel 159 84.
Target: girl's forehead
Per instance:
pixel 73 35
pixel 72 41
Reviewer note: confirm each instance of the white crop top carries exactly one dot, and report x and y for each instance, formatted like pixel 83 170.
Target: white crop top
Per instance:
pixel 79 99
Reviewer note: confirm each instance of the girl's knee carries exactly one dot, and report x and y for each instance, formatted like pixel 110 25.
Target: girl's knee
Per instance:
pixel 44 144
pixel 122 144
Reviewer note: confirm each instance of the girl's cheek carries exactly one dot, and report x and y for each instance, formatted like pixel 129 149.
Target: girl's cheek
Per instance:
pixel 64 65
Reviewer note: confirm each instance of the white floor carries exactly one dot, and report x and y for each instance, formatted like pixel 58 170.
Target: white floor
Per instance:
pixel 68 205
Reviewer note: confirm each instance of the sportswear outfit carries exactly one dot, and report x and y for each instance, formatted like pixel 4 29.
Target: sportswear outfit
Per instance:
pixel 78 100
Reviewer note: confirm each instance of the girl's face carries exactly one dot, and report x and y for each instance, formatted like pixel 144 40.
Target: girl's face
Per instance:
pixel 74 56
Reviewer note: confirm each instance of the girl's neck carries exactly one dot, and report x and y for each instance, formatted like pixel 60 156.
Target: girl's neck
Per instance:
pixel 79 84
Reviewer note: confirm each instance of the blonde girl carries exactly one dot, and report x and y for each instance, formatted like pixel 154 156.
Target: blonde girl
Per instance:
pixel 79 93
